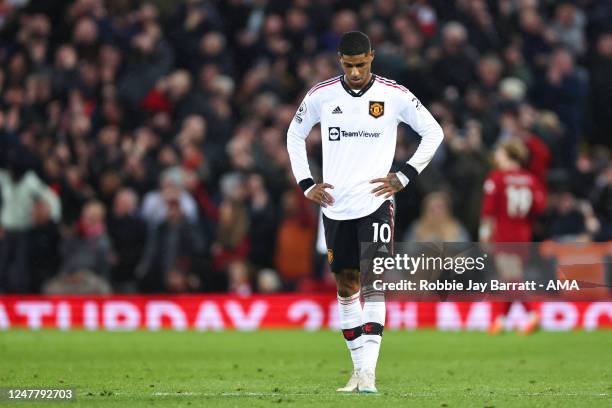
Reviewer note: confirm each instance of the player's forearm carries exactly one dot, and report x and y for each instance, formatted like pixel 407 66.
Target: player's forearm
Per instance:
pixel 431 138
pixel 296 146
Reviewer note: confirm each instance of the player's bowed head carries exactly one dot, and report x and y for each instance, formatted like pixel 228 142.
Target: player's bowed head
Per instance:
pixel 355 55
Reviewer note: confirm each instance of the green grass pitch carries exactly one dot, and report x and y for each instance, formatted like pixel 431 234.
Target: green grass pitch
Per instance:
pixel 295 368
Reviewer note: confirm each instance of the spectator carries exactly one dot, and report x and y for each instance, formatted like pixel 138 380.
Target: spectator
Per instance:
pixel 603 204
pixel 481 28
pixel 517 122
pixel 534 37
pixel 489 73
pixel 515 64
pixel 601 91
pixel 150 58
pixel 128 233
pixel 568 27
pixel 44 239
pixel 89 248
pixel 454 67
pixel 232 243
pixel 155 205
pixel 583 177
pixel 467 166
pixel 21 189
pixel 168 261
pixel 436 223
pixel 263 223
pixel 565 221
pixel 296 238
pixel 563 90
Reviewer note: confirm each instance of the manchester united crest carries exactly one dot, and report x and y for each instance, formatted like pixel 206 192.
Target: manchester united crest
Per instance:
pixel 330 256
pixel 377 109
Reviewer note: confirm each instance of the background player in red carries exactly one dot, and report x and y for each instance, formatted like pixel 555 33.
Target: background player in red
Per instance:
pixel 513 197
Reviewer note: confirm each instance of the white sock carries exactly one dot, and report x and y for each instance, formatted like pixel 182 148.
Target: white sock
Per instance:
pixel 351 319
pixel 374 317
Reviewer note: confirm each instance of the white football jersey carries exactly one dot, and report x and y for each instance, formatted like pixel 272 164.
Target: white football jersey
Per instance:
pixel 358 132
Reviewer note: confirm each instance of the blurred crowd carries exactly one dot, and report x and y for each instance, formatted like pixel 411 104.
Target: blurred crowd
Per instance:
pixel 142 143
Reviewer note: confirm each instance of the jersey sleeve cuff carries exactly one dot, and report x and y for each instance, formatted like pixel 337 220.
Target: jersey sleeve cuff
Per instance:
pixel 402 178
pixel 308 190
pixel 410 172
pixel 306 184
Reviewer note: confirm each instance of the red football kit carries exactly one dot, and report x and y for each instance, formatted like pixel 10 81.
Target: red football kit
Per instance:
pixel 512 198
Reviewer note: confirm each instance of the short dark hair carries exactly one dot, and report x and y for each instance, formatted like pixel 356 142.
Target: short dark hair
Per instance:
pixel 354 43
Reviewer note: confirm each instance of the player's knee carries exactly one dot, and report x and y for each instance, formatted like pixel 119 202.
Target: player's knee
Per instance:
pixel 348 283
pixel 347 291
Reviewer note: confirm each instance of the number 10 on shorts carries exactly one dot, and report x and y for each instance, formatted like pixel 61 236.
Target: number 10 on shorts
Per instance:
pixel 381 231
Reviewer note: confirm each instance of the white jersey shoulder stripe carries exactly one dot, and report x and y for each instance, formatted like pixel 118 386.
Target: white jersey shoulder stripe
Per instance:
pixel 386 79
pixel 323 84
pixel 401 88
pixel 392 82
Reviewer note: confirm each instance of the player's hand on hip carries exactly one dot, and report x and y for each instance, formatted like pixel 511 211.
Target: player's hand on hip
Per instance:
pixel 390 185
pixel 320 196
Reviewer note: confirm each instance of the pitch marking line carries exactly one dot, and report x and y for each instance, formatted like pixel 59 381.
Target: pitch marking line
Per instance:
pixel 243 394
pixel 412 394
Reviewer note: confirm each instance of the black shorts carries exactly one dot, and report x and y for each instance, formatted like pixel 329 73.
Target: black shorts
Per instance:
pixel 344 237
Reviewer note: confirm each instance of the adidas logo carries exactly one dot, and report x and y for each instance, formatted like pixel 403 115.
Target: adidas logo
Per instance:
pixel 337 110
